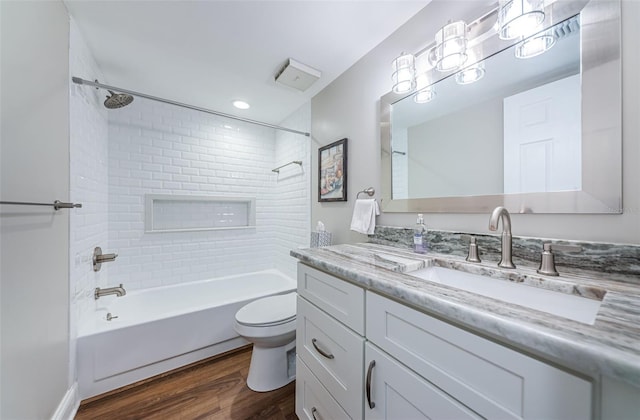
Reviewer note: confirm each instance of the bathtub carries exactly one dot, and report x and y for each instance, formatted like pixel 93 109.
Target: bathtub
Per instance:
pixel 163 328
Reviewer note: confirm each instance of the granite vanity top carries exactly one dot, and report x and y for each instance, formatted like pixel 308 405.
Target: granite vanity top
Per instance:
pixel 609 347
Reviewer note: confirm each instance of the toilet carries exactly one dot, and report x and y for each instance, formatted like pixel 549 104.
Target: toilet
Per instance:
pixel 270 324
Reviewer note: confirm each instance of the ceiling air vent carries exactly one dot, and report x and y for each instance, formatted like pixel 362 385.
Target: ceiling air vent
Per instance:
pixel 297 75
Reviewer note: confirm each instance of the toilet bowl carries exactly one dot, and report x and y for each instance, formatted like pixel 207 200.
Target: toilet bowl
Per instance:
pixel 270 324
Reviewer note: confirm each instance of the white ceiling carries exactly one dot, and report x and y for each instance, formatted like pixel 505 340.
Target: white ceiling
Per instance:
pixel 208 53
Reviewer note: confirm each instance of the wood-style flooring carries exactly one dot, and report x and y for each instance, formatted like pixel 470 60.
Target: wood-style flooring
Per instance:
pixel 212 389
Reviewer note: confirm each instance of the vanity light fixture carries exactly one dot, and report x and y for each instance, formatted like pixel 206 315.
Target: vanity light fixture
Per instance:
pixel 450 50
pixel 535 45
pixel 425 91
pixel 403 73
pixel 519 18
pixel 470 74
pixel 241 104
pixel 425 95
pixel 473 72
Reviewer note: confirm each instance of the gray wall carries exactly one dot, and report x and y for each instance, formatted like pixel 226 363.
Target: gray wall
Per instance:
pixel 34 247
pixel 472 152
pixel 348 107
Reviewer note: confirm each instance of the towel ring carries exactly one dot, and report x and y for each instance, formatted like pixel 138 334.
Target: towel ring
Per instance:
pixel 369 191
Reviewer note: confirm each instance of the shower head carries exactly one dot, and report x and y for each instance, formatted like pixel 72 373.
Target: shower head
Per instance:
pixel 117 100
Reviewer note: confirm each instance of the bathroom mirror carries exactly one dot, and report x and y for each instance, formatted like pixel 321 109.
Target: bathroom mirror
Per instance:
pixel 536 135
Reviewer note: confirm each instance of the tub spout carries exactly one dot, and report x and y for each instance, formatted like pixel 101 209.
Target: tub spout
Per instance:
pixel 118 291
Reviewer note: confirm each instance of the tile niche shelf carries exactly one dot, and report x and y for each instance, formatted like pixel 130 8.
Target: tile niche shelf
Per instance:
pixel 190 213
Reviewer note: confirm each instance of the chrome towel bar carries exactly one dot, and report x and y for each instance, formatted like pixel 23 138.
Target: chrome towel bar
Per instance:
pixel 57 205
pixel 296 162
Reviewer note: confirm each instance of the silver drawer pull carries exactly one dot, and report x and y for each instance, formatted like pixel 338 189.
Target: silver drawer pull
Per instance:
pixel 371 403
pixel 319 350
pixel 313 413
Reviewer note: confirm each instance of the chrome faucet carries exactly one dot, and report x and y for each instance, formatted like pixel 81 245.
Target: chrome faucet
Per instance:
pixel 502 213
pixel 118 291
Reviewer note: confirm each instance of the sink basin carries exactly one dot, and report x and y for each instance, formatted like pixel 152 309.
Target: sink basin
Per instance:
pixel 569 306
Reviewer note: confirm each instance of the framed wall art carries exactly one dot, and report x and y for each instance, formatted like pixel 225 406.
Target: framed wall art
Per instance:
pixel 332 172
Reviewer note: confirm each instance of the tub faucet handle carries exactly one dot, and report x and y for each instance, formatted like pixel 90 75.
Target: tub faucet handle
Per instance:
pixel 99 258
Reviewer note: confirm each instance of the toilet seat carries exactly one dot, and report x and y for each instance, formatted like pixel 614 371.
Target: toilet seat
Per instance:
pixel 269 311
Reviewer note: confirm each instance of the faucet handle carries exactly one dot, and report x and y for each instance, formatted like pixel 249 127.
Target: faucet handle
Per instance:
pixel 472 253
pixel 547 263
pixel 99 258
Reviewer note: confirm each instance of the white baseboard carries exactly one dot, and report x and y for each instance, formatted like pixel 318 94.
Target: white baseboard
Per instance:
pixel 68 407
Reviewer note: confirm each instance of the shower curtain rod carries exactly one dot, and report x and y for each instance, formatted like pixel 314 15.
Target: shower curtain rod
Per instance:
pixel 80 81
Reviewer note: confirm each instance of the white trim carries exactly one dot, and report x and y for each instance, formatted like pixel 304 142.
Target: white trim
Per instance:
pixel 69 404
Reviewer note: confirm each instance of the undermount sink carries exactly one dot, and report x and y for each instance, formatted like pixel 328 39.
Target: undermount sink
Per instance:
pixel 403 265
pixel 569 306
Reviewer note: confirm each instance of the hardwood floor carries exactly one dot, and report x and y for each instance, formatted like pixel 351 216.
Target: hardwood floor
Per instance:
pixel 213 389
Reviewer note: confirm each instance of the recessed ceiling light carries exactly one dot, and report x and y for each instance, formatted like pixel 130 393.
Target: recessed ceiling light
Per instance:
pixel 241 104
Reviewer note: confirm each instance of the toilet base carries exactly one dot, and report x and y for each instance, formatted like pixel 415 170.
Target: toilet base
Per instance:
pixel 269 368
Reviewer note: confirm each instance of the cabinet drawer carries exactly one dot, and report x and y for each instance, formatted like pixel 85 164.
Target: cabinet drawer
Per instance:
pixel 398 393
pixel 339 369
pixel 340 299
pixel 493 380
pixel 313 402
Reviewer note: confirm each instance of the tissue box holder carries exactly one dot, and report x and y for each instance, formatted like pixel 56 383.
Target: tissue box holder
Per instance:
pixel 319 239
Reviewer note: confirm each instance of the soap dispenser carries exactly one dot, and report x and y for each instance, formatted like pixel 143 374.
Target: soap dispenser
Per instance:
pixel 419 236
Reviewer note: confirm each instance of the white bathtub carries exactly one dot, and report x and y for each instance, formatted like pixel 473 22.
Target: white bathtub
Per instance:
pixel 160 329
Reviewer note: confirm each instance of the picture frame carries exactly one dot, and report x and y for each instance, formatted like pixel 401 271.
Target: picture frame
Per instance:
pixel 332 172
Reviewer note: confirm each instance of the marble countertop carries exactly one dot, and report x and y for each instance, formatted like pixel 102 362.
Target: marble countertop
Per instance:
pixel 609 347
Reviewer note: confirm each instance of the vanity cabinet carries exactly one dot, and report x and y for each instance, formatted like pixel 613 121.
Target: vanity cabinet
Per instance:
pixel 365 356
pixel 492 380
pixel 330 346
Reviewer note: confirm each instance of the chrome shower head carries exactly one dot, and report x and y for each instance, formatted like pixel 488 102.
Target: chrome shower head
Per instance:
pixel 117 100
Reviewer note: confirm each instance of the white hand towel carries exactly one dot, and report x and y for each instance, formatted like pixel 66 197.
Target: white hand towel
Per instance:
pixel 364 216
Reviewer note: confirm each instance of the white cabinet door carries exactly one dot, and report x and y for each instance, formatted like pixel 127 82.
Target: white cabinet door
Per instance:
pixel 313 401
pixel 494 380
pixel 333 353
pixel 340 299
pixel 394 392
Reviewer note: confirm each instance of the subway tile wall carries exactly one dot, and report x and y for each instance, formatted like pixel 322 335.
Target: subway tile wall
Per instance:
pixel 292 210
pixel 162 149
pixel 88 128
pixel 400 165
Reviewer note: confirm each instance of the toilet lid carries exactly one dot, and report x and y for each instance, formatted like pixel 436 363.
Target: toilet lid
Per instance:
pixel 272 310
